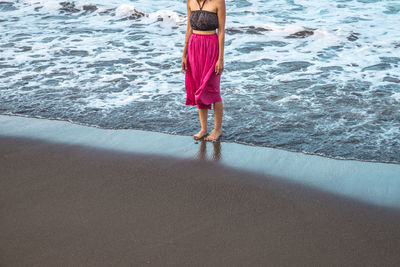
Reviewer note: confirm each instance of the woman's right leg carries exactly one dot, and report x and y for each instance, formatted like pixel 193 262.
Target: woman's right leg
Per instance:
pixel 203 114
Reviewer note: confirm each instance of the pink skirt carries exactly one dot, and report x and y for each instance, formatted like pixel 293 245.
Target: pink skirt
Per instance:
pixel 201 81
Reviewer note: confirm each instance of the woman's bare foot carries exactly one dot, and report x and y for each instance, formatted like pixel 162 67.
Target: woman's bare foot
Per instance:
pixel 199 135
pixel 214 135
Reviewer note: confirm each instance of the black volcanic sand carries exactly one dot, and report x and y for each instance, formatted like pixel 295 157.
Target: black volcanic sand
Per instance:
pixel 78 206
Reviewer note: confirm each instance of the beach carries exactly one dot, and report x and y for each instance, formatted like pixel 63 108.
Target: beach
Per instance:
pixel 69 204
pixel 98 166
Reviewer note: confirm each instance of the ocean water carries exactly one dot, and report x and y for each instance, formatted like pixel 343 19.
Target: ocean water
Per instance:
pixel 319 77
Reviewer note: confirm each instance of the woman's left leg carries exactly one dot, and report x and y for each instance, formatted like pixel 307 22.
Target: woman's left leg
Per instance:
pixel 217 131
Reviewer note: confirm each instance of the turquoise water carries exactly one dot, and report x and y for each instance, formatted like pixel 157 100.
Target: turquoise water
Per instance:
pixel 319 77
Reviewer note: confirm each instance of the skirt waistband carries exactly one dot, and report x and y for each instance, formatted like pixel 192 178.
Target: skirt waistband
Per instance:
pixel 213 35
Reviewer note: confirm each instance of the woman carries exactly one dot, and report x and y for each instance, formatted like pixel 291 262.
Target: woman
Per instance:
pixel 203 61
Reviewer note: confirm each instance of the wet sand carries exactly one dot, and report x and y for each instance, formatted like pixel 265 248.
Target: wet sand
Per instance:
pixel 70 205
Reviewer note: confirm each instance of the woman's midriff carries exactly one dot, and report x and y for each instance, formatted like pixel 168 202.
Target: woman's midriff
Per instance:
pixel 205 32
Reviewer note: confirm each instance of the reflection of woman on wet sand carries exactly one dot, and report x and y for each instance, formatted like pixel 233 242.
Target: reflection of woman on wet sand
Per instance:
pixel 203 61
pixel 202 153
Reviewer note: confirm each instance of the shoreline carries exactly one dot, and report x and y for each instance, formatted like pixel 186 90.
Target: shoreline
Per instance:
pixel 68 204
pixel 233 142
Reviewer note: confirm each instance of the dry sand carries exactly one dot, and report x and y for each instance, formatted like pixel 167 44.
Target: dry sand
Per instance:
pixel 79 206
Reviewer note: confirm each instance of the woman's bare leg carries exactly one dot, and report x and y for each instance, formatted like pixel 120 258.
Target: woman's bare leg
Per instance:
pixel 203 113
pixel 218 111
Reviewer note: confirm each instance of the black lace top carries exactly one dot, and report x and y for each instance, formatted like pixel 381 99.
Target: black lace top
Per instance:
pixel 203 20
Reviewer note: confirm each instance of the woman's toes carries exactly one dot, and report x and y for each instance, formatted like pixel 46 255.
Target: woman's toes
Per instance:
pixel 210 137
pixel 213 136
pixel 198 135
